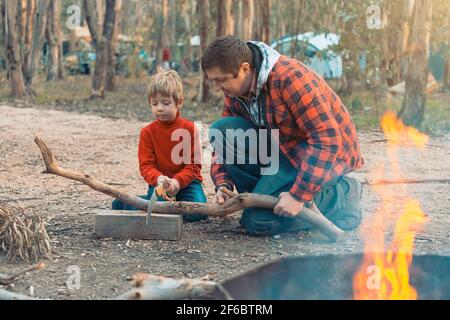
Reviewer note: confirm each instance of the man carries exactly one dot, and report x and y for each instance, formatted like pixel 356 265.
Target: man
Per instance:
pixel 317 138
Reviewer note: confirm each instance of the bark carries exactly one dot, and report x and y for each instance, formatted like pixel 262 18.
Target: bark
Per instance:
pixel 113 49
pixel 152 287
pixel 235 203
pixel 55 69
pixel 7 295
pixel 173 26
pixel 40 24
pixel 204 28
pixel 239 19
pixel 392 42
pixel 185 12
pixel 99 79
pixel 12 50
pixel 225 23
pixel 6 279
pixel 27 42
pixel 413 108
pixel 266 9
pixel 301 6
pixel 257 18
pixel 447 63
pixel 407 16
pixel 163 39
pixel 247 22
pixel 94 18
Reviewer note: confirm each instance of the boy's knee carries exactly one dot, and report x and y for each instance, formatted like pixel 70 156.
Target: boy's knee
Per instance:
pixel 117 204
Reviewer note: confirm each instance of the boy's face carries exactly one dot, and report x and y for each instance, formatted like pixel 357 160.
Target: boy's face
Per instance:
pixel 164 108
pixel 229 84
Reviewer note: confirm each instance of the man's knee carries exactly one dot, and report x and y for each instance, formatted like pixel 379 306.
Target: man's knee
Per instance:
pixel 341 203
pixel 261 222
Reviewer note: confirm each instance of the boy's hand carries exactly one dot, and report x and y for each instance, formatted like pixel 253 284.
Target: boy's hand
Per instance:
pixel 164 180
pixel 173 187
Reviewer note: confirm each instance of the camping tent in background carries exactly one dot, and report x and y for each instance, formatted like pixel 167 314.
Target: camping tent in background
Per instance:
pixel 317 50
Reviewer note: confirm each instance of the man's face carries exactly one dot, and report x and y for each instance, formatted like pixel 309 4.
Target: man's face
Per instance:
pixel 229 84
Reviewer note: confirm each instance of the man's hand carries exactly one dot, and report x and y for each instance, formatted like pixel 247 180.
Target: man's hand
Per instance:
pixel 220 196
pixel 288 206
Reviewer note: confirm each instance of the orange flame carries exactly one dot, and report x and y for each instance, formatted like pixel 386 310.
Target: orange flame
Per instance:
pixel 385 274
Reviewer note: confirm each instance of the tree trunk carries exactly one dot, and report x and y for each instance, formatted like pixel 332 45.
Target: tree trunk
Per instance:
pixel 407 15
pixel 163 39
pixel 12 50
pixel 256 27
pixel 225 23
pixel 40 24
pixel 94 19
pixel 173 26
pixel 300 14
pixel 99 79
pixel 281 23
pixel 53 34
pixel 447 64
pixel 27 42
pixel 239 20
pixel 204 28
pixel 186 13
pixel 266 9
pixel 247 21
pixel 413 107
pixel 113 48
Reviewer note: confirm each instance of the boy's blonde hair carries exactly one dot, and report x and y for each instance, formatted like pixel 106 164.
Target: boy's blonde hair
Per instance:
pixel 167 83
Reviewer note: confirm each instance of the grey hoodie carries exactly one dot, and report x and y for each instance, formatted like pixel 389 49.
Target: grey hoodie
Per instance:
pixel 269 57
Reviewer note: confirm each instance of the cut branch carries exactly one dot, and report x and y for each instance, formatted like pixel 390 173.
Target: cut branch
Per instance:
pixel 405 181
pixel 8 295
pixel 8 279
pixel 152 287
pixel 236 203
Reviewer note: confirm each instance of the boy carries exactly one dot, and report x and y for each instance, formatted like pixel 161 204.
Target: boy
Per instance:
pixel 157 163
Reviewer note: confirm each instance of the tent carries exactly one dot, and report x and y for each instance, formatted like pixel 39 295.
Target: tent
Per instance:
pixel 317 48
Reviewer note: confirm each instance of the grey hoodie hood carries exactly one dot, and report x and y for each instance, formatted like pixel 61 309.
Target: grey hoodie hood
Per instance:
pixel 270 57
pixel 255 105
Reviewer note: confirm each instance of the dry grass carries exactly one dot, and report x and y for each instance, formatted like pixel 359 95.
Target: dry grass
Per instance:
pixel 22 234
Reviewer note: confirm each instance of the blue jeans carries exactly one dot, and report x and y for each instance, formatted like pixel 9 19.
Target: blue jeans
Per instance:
pixel 191 193
pixel 339 199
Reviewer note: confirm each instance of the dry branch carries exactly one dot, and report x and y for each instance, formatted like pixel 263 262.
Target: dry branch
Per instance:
pixel 22 234
pixel 8 279
pixel 405 181
pixel 152 287
pixel 8 295
pixel 235 203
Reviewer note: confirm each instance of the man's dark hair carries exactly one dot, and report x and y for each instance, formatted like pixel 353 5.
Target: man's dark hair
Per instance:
pixel 228 53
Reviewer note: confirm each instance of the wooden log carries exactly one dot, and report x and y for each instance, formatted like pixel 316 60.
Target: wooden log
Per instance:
pixel 8 295
pixel 161 288
pixel 6 279
pixel 235 203
pixel 131 225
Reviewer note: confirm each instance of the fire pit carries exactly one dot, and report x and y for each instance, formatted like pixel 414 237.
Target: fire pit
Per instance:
pixel 329 278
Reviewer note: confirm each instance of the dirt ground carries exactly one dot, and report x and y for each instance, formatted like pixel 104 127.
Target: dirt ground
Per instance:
pixel 107 149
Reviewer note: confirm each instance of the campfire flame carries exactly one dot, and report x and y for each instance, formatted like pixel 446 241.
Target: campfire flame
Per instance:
pixel 384 273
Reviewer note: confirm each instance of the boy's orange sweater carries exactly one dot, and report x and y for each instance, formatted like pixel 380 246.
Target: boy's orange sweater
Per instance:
pixel 155 149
